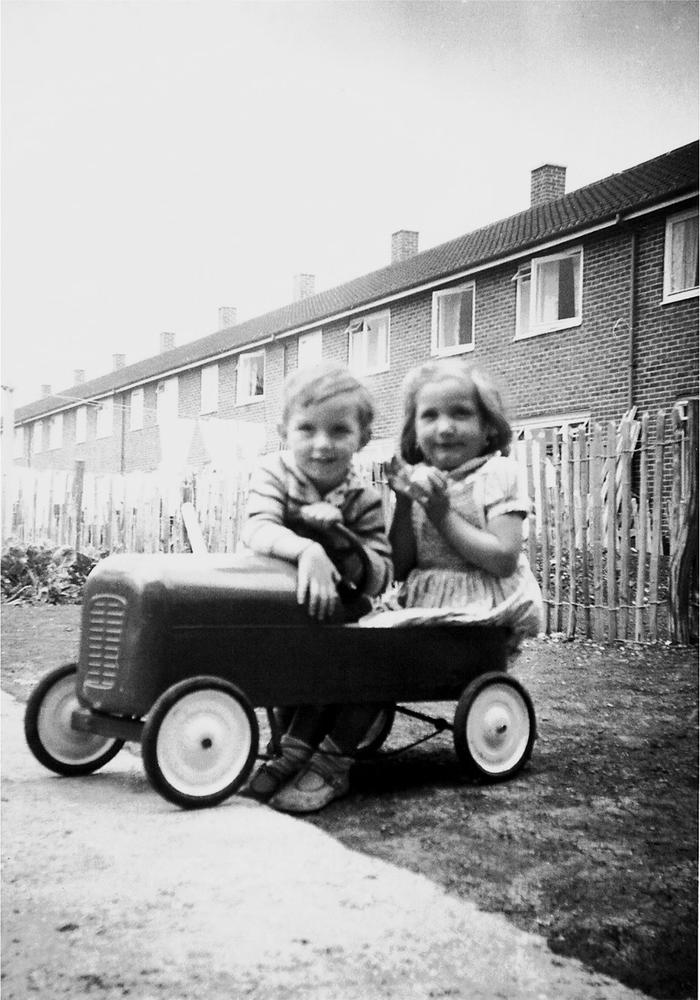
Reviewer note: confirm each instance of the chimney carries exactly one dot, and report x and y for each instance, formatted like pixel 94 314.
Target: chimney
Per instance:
pixel 118 361
pixel 45 391
pixel 227 316
pixel 404 244
pixel 303 286
pixel 78 376
pixel 167 342
pixel 547 183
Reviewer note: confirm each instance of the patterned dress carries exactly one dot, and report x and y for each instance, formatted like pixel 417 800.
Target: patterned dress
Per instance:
pixel 443 587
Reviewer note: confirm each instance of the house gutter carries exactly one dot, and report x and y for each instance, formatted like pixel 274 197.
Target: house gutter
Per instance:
pixel 372 304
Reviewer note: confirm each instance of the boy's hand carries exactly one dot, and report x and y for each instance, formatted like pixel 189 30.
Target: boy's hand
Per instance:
pixel 316 583
pixel 320 515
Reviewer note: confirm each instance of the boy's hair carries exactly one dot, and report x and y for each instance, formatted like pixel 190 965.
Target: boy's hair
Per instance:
pixel 320 382
pixel 498 429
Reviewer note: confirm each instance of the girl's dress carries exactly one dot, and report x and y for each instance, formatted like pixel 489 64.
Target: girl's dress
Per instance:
pixel 443 588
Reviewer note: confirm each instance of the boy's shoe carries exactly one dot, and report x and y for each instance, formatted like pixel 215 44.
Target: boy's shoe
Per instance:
pixel 325 778
pixel 271 775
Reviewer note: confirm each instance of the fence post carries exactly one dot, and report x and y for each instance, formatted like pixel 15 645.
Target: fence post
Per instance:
pixel 611 533
pixel 597 531
pixel 77 502
pixel 642 530
pixel 625 533
pixel 568 462
pixel 684 543
pixel 655 548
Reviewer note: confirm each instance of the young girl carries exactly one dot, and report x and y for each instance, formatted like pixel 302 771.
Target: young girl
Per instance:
pixel 326 418
pixel 457 527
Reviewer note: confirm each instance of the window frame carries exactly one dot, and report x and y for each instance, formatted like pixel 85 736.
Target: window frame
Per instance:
pixel 81 424
pixel 435 348
pixel 209 389
pixel 685 293
pixel 244 363
pixel 104 423
pixel 529 272
pixel 359 365
pixel 37 437
pixel 56 432
pixel 314 337
pixel 136 412
pixel 167 389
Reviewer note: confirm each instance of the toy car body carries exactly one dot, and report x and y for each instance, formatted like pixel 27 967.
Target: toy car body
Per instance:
pixel 177 652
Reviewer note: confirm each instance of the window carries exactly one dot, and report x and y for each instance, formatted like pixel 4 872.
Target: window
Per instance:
pixel 19 442
pixel 251 377
pixel 368 348
pixel 549 294
pixel 37 437
pixel 56 432
pixel 105 418
pixel 453 320
pixel 681 256
pixel 81 424
pixel 166 400
pixel 136 410
pixel 210 389
pixel 310 349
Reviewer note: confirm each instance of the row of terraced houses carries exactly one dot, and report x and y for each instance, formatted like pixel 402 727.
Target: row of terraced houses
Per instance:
pixel 583 306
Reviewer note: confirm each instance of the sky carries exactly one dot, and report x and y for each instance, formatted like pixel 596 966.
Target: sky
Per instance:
pixel 163 158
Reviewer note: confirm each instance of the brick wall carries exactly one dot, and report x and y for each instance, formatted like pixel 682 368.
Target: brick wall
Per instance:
pixel 584 368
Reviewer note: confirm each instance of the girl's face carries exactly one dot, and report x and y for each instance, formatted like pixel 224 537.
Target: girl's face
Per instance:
pixel 323 438
pixel 449 426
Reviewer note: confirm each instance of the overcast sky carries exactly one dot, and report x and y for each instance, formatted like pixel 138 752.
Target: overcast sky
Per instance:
pixel 162 158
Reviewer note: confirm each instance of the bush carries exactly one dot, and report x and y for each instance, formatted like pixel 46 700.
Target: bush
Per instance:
pixel 42 574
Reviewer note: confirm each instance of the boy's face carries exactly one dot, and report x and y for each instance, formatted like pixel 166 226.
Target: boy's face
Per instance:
pixel 323 438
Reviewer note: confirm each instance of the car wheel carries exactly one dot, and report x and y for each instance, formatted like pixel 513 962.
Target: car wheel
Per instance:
pixel 494 727
pixel 48 730
pixel 199 742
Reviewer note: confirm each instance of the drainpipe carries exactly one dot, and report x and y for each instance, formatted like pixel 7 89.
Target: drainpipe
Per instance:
pixel 630 324
pixel 122 450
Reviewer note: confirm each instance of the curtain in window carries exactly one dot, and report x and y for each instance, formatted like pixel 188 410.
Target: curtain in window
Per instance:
pixel 684 255
pixel 548 292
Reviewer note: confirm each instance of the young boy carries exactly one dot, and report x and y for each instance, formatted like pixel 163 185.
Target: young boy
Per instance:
pixel 326 418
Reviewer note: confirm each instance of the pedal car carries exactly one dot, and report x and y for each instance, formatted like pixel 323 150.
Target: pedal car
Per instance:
pixel 178 651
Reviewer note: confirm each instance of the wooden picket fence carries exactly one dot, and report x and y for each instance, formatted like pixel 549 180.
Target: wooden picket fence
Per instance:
pixel 613 563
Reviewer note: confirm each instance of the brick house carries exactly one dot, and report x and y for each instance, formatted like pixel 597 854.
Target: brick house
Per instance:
pixel 583 305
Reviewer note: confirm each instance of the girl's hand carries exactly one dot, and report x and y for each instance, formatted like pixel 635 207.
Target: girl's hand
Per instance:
pixel 320 515
pixel 428 487
pixel 316 581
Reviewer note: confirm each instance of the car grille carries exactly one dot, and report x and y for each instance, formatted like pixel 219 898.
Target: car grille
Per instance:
pixel 106 621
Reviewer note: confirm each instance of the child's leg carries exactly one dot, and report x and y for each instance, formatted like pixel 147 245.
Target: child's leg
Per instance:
pixel 326 775
pixel 306 728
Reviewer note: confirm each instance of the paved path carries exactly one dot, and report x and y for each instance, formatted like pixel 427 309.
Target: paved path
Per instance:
pixel 110 892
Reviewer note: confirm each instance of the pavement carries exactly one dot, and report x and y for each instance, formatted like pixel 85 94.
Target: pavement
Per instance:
pixel 111 892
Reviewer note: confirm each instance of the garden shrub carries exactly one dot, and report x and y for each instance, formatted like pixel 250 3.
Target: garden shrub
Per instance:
pixel 44 574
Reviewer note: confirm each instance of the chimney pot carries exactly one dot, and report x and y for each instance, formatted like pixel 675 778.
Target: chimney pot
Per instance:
pixel 404 244
pixel 303 286
pixel 45 390
pixel 227 316
pixel 547 183
pixel 167 342
pixel 78 376
pixel 118 361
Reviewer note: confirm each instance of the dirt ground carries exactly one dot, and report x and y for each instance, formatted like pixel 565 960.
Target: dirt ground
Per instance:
pixel 593 845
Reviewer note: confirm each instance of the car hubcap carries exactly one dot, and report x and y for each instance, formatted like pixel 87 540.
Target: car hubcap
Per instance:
pixel 498 728
pixel 204 742
pixel 65 744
